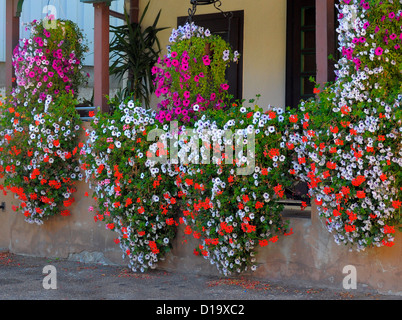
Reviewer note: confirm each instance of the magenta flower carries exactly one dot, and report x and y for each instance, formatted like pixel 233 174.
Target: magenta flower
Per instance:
pixel 206 60
pixel 378 51
pixel 224 86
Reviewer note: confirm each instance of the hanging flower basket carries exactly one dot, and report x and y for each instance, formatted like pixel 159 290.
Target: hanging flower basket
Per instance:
pixel 39 127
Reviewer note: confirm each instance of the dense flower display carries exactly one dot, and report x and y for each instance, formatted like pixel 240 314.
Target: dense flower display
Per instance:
pixel 218 167
pixel 234 183
pixel 226 166
pixel 191 77
pixel 50 61
pixel 141 186
pixel 39 126
pixel 38 155
pixel 136 196
pixel 349 138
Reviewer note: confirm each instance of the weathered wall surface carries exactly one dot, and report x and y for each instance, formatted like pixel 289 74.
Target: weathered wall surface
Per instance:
pixel 311 254
pixel 59 236
pixel 307 257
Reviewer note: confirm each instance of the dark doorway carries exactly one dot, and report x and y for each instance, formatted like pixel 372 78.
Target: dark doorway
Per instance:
pixel 300 50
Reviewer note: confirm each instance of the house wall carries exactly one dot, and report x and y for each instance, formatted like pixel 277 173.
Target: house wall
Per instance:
pixel 264 56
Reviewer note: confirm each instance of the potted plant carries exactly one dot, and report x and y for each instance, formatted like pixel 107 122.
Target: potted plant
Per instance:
pixel 39 124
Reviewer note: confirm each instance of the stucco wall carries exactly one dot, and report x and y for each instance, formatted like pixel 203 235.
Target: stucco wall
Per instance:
pixel 264 56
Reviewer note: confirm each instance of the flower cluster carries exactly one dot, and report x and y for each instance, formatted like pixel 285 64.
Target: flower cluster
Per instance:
pixel 49 61
pixel 38 155
pixel 348 138
pixel 135 195
pixel 39 126
pixel 141 183
pixel 228 166
pixel 191 77
pixel 235 186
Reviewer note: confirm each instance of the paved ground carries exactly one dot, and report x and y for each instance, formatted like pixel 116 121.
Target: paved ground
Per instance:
pixel 22 278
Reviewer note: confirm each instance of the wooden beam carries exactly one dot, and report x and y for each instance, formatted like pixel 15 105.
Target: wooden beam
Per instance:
pixel 101 55
pixel 325 39
pixel 117 15
pixel 134 10
pixel 12 39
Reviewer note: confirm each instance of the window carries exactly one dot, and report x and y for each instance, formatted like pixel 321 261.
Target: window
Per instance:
pixel 217 23
pixel 300 66
pixel 301 50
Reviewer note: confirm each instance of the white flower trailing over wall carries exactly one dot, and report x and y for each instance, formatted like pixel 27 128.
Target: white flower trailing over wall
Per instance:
pixel 350 145
pixel 135 194
pixel 39 125
pixel 39 156
pixel 238 173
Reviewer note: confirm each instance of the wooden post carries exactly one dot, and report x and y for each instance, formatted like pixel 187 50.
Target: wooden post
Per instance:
pixel 101 55
pixel 325 39
pixel 134 10
pixel 12 39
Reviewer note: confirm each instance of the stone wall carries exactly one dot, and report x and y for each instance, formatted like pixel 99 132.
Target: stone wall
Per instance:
pixel 307 257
